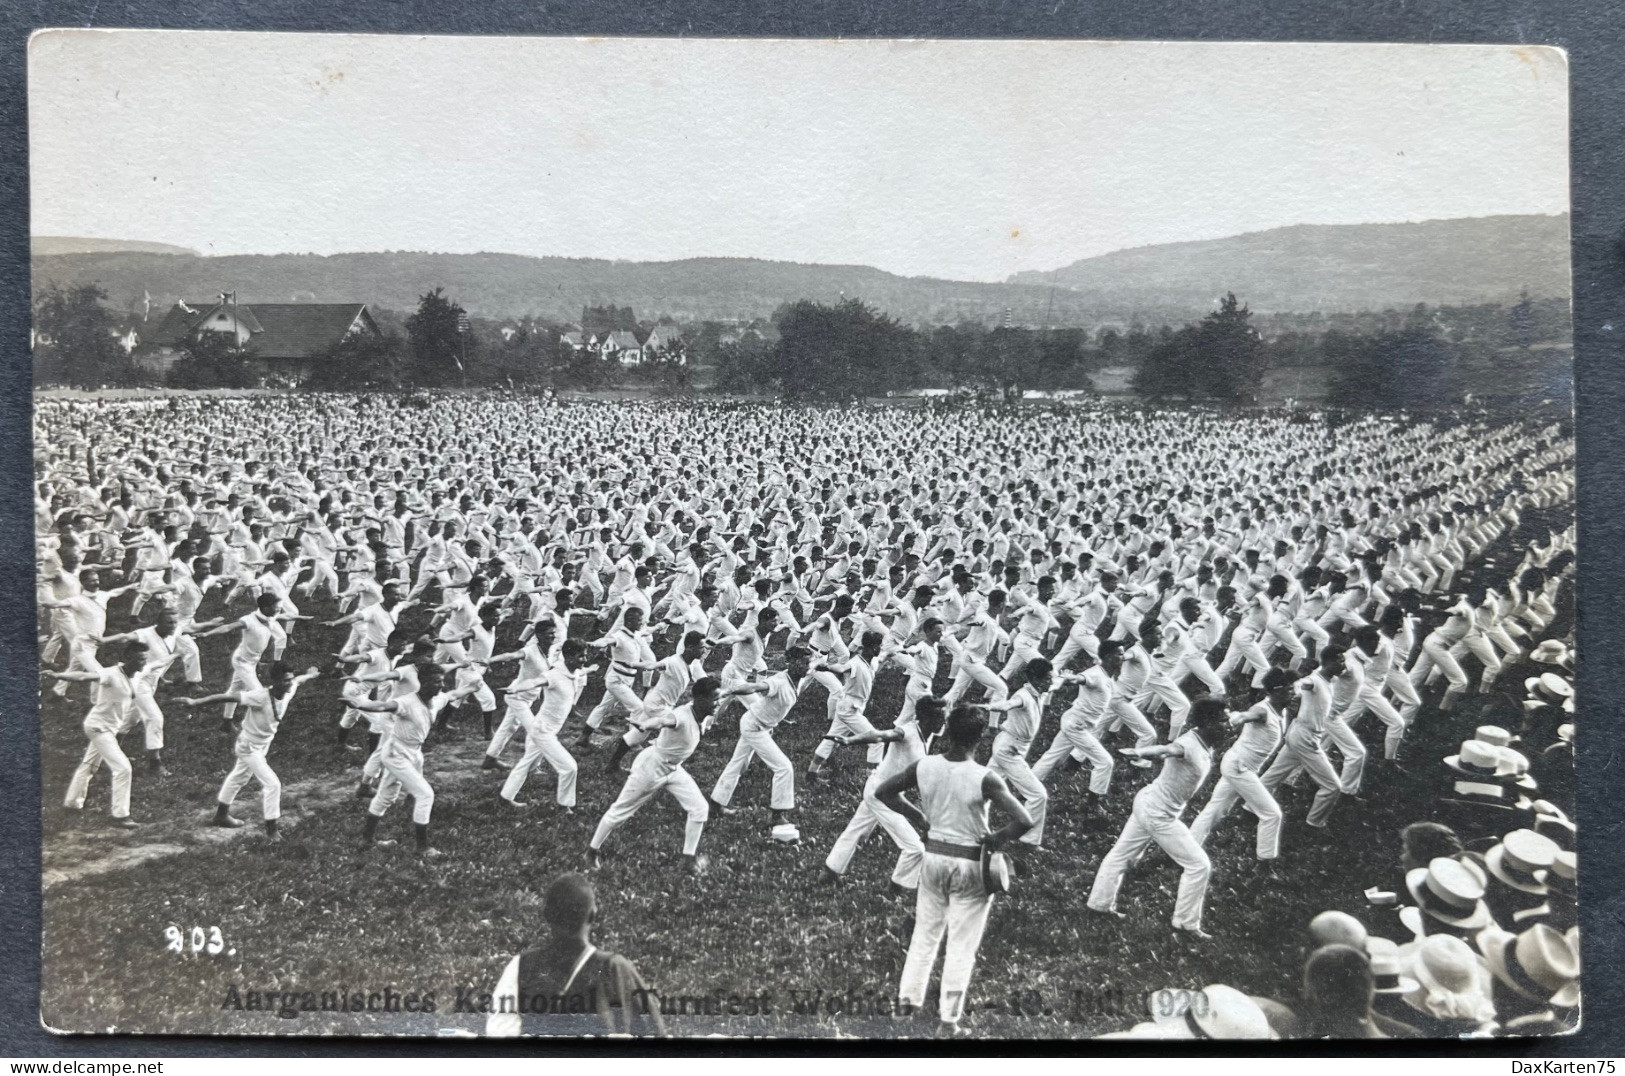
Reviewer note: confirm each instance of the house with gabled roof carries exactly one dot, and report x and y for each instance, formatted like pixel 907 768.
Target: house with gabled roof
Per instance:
pixel 665 342
pixel 281 340
pixel 621 346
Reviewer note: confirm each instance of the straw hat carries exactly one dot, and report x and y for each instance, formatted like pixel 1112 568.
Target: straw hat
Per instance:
pixel 995 870
pixel 1540 964
pixel 1522 859
pixel 1494 735
pixel 1550 652
pixel 1563 878
pixel 1387 969
pixel 1482 761
pixel 1551 689
pixel 1546 808
pixel 1222 1013
pixel 1557 828
pixel 1451 976
pixel 1446 890
pixel 785 833
pixel 1520 768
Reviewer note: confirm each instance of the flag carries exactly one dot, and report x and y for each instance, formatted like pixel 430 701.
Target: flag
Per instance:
pixel 146 304
pixel 184 308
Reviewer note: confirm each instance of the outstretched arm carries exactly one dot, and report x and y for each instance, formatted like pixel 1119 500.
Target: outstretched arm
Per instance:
pixel 77 677
pixel 1156 750
pixel 869 735
pixel 208 700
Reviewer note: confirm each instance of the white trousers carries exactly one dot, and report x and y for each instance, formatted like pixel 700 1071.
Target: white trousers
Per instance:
pixel 1197 665
pixel 403 772
pixel 1124 712
pixel 1075 737
pixel 1373 700
pixel 1022 650
pixel 190 658
pixel 1481 647
pixel 619 699
pixel 951 903
pixel 847 722
pixel 145 712
pixel 1244 647
pixel 757 742
pixel 543 744
pixel 515 716
pixel 650 777
pixel 1158 686
pixel 1246 786
pixel 1127 624
pixel 871 813
pixel 1281 630
pixel 1076 640
pixel 1311 627
pixel 973 671
pixel 103 747
pixel 1145 825
pixel 482 694
pixel 1353 752
pixel 1009 760
pixel 373 768
pixel 1298 756
pixel 1436 655
pixel 251 765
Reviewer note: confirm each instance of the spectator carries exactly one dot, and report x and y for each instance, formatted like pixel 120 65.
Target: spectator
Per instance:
pixel 1537 979
pixel 1336 928
pixel 1518 866
pixel 1390 986
pixel 1338 989
pixel 1450 896
pixel 567 985
pixel 1215 1012
pixel 1453 995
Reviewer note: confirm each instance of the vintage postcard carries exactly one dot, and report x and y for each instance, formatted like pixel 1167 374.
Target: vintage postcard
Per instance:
pixel 803 538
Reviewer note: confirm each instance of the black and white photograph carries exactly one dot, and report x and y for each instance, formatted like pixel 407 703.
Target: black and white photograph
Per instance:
pixel 803 538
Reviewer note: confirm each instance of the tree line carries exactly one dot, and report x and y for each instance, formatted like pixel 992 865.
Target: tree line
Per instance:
pixel 850 350
pixel 1427 356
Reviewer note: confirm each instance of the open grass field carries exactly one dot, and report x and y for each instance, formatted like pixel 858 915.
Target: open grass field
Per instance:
pixel 317 913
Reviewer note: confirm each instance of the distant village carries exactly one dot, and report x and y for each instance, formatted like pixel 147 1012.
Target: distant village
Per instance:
pixel 284 340
pixel 1519 351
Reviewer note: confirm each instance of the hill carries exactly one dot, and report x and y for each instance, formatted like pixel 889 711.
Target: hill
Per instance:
pixel 1341 268
pixel 510 285
pixel 73 244
pixel 1338 267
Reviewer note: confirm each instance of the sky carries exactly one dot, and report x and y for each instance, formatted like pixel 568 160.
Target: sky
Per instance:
pixel 967 160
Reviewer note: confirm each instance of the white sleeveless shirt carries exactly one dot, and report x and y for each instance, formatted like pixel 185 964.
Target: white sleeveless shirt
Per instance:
pixel 951 797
